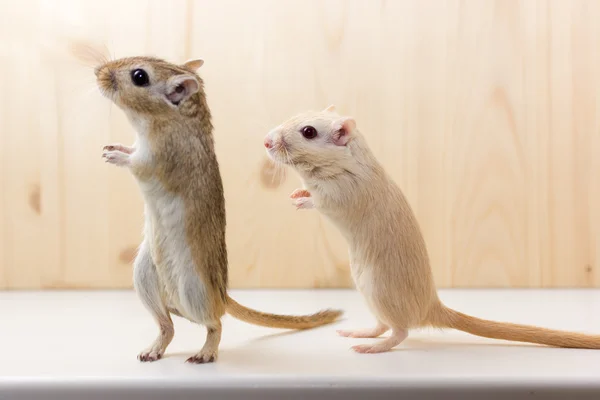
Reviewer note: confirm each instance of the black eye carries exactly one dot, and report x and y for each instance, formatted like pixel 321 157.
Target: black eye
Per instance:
pixel 140 77
pixel 309 132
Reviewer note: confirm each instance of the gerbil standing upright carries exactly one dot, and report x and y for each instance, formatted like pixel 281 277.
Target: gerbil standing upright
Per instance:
pixel 388 256
pixel 181 266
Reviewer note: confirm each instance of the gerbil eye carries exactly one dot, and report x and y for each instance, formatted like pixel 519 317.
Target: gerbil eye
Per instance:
pixel 309 132
pixel 140 77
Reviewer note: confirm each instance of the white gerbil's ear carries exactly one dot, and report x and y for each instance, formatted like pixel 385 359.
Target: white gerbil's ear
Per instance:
pixel 342 128
pixel 181 87
pixel 194 64
pixel 331 108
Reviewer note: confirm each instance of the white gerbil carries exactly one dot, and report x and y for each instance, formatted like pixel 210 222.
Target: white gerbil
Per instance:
pixel 388 256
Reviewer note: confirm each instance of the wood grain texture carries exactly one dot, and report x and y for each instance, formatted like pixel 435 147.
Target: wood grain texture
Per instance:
pixel 485 112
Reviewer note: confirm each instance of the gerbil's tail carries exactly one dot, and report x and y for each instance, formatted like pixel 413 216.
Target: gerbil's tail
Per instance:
pixel 251 316
pixel 444 317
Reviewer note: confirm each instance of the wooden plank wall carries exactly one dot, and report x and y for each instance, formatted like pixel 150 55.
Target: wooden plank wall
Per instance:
pixel 485 112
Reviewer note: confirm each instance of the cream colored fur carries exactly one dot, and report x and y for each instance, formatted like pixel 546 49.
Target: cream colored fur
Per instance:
pixel 388 255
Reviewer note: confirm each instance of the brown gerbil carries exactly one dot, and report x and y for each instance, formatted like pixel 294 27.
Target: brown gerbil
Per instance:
pixel 181 267
pixel 389 259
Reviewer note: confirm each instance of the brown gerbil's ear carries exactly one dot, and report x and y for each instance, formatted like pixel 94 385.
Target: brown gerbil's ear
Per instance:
pixel 342 129
pixel 181 87
pixel 331 108
pixel 194 64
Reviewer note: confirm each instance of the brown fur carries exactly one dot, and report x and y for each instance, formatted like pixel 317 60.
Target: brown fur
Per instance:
pixel 182 159
pixel 389 259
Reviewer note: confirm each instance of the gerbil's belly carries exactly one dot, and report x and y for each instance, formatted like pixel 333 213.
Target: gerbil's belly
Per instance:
pixel 183 289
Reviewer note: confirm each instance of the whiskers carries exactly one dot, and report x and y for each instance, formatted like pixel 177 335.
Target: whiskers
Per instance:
pixel 279 173
pixel 277 165
pixel 88 99
pixel 282 161
pixel 287 158
pixel 90 55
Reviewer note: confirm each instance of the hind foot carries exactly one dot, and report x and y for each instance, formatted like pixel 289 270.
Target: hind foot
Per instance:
pixel 397 337
pixel 157 349
pixel 210 349
pixel 379 330
pixel 150 355
pixel 203 357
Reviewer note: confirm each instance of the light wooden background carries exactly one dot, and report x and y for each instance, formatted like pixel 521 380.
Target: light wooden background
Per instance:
pixel 485 112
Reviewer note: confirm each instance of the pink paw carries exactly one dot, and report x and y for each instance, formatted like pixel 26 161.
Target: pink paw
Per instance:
pixel 116 157
pixel 358 334
pixel 299 193
pixel 372 333
pixel 364 348
pixel 303 203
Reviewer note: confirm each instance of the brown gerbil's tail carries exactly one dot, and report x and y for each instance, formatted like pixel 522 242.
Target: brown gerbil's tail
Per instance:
pixel 444 317
pixel 251 316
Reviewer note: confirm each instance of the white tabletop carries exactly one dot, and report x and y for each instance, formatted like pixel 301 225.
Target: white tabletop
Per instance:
pixel 67 345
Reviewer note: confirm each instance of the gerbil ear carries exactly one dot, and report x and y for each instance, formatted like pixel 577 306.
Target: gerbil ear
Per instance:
pixel 342 129
pixel 180 88
pixel 331 108
pixel 194 64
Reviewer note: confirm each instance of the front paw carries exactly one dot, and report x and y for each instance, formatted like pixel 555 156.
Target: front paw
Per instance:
pixel 116 157
pixel 299 193
pixel 118 147
pixel 303 203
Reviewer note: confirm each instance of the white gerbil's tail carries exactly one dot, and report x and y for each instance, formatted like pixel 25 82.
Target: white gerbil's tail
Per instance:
pixel 444 317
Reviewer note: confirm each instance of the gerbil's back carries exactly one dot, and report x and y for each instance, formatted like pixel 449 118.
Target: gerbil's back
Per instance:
pixel 389 241
pixel 193 171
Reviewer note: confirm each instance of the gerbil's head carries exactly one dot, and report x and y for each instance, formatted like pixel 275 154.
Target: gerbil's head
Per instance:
pixel 145 86
pixel 316 144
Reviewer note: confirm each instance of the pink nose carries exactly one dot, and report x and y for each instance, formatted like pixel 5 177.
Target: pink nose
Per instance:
pixel 268 142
